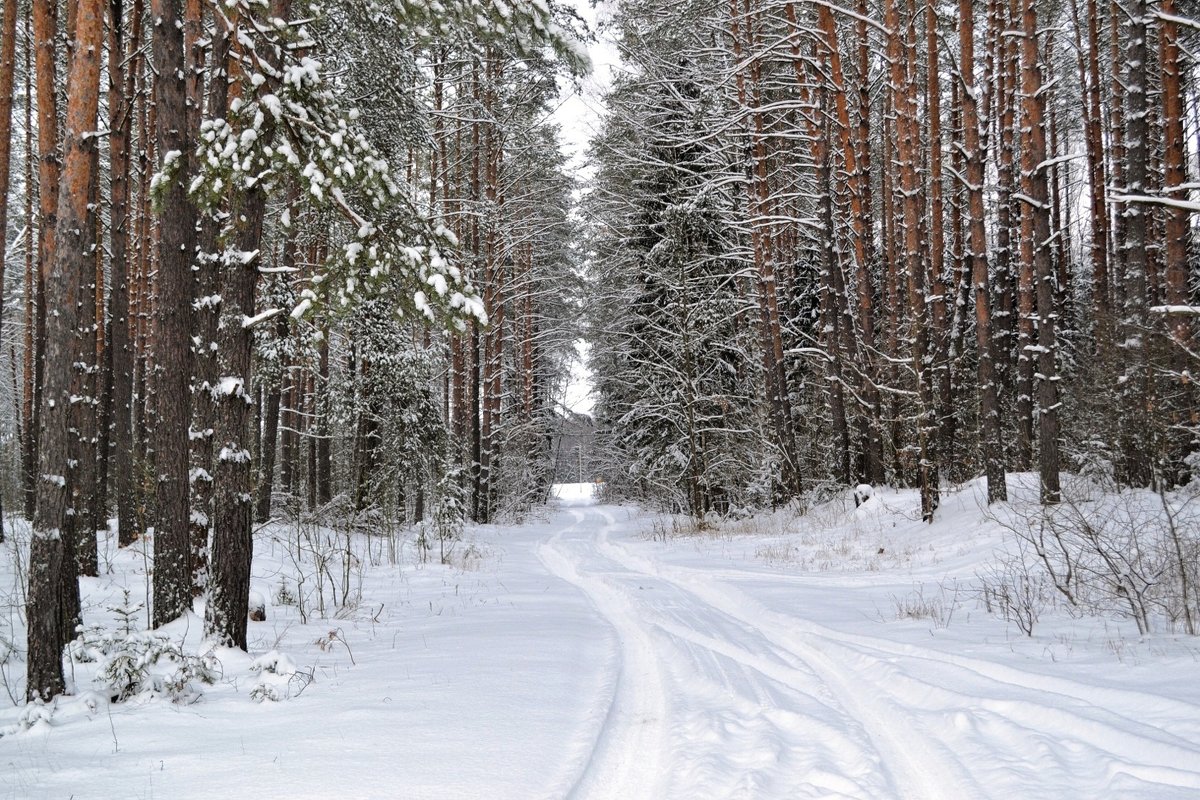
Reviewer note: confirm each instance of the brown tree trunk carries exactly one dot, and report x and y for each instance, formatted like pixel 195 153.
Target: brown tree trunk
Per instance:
pixel 233 542
pixel 206 293
pixel 1175 170
pixel 857 180
pixel 766 285
pixel 173 318
pixel 32 284
pixel 939 339
pixel 266 453
pixel 1097 171
pixel 81 483
pixel 1004 321
pixel 495 291
pixel 1137 445
pixel 1037 211
pixel 324 475
pixel 1117 155
pixel 989 407
pixel 119 351
pixel 903 89
pixel 45 31
pixel 72 267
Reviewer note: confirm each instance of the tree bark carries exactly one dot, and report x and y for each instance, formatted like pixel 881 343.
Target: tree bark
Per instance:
pixel 207 296
pixel 72 264
pixel 989 407
pixel 233 541
pixel 902 88
pixel 45 31
pixel 1037 211
pixel 8 59
pixel 173 317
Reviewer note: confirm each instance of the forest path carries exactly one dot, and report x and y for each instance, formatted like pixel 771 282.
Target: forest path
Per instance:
pixel 718 691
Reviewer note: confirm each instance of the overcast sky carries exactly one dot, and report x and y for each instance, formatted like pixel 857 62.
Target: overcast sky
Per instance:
pixel 578 115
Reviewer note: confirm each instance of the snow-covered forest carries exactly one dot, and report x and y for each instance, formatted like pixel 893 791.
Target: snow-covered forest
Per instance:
pixel 887 484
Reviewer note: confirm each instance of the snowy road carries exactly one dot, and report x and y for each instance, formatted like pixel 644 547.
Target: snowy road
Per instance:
pixel 717 693
pixel 573 658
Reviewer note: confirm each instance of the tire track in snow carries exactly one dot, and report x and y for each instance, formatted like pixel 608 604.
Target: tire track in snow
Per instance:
pixel 915 769
pixel 626 760
pixel 1147 757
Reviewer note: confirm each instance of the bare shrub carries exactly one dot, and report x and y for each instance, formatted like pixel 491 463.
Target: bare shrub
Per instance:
pixel 1108 550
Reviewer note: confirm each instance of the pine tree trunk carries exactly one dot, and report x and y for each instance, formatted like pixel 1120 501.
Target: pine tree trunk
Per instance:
pixel 119 352
pixel 324 474
pixel 766 285
pixel 233 541
pixel 1004 320
pixel 1175 170
pixel 173 317
pixel 1037 210
pixel 875 472
pixel 266 453
pixel 8 58
pixel 45 31
pixel 81 483
pixel 1097 173
pixel 942 377
pixel 49 566
pixel 902 87
pixel 207 305
pixel 1137 447
pixel 857 182
pixel 32 288
pixel 989 407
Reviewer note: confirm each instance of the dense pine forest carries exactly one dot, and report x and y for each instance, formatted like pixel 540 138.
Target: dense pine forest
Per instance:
pixel 270 260
pixel 895 243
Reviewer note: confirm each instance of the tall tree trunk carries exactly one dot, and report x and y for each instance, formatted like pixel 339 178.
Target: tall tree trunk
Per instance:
pixel 1137 447
pixel 1178 234
pixel 496 266
pixel 119 352
pixel 1037 209
pixel 32 284
pixel 989 407
pixel 173 315
pixel 874 463
pixel 81 483
pixel 233 542
pixel 942 376
pixel 857 180
pixel 207 297
pixel 72 267
pixel 45 31
pixel 8 59
pixel 1004 321
pixel 1089 77
pixel 903 89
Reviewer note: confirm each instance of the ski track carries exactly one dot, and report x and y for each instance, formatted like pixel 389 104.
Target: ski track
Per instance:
pixel 624 761
pixel 717 695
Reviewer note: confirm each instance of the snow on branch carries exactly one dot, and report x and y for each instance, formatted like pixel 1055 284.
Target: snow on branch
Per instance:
pixel 1187 205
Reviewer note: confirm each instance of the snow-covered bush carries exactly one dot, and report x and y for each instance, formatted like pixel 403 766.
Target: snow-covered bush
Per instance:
pixel 140 663
pixel 279 678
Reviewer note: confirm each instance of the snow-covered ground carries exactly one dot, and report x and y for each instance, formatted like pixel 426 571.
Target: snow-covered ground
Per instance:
pixel 600 652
